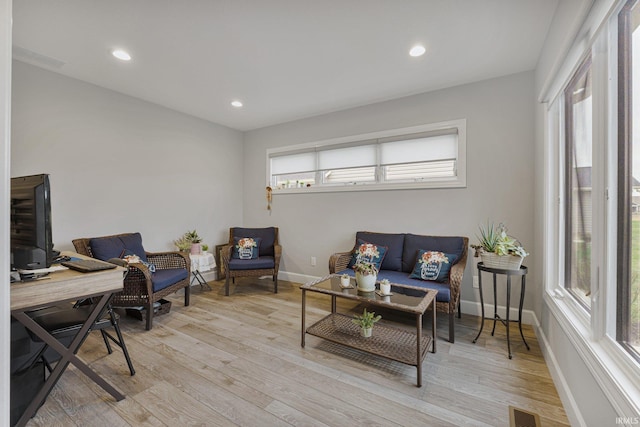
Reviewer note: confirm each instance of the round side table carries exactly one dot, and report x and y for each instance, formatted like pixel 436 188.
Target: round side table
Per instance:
pixel 522 272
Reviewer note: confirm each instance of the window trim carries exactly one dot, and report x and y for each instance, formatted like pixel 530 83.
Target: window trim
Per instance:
pixel 459 181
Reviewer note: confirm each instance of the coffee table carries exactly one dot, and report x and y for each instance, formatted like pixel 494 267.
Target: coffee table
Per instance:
pixel 393 343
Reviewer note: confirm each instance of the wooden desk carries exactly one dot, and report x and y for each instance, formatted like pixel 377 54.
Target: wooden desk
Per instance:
pixel 61 286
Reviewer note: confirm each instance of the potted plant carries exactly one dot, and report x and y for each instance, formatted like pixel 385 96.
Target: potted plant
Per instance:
pixel 498 249
pixel 366 321
pixel 189 241
pixel 182 244
pixel 366 276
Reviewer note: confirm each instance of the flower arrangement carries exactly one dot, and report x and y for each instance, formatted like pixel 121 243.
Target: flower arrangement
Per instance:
pixel 365 268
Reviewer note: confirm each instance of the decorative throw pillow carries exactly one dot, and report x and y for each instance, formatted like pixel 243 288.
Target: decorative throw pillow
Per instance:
pixel 246 247
pixel 433 265
pixel 368 252
pixel 132 258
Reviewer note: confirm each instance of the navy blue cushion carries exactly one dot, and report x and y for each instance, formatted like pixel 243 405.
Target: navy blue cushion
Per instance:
pixel 268 236
pixel 105 248
pixel 368 252
pixel 260 263
pixel 413 243
pixel 402 278
pixel 246 247
pixel 433 265
pixel 393 242
pixel 165 278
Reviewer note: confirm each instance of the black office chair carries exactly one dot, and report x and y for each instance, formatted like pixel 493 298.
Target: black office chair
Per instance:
pixel 64 322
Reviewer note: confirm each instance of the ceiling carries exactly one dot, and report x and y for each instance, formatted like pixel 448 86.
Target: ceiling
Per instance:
pixel 284 59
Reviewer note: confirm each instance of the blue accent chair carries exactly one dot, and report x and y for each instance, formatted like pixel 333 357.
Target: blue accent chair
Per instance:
pixel 142 287
pixel 266 264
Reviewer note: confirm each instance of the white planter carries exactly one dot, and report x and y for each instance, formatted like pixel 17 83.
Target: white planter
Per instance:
pixel 502 262
pixel 366 332
pixel 366 283
pixel 345 281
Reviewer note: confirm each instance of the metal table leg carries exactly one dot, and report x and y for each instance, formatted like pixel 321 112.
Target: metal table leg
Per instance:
pixel 67 356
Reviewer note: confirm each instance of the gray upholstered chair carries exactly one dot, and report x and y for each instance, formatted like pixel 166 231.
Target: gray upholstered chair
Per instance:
pixel 251 252
pixel 142 287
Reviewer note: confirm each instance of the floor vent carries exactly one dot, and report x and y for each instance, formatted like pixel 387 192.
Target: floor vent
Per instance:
pixel 521 418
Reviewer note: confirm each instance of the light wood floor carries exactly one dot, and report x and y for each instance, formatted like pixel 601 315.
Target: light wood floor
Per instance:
pixel 237 360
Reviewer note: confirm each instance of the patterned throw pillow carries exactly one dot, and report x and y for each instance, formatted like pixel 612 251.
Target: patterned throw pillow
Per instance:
pixel 433 265
pixel 368 252
pixel 246 247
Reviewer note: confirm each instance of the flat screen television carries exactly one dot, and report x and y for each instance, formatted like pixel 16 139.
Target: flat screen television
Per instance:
pixel 31 236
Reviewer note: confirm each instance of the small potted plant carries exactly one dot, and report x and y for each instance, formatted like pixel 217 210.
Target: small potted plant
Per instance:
pixel 182 244
pixel 366 321
pixel 366 276
pixel 498 249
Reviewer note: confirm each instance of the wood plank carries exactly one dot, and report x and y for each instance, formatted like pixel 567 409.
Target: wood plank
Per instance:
pixel 237 360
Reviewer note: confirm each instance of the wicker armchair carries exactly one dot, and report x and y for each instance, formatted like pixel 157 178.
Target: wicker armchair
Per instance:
pixel 266 264
pixel 139 288
pixel 340 261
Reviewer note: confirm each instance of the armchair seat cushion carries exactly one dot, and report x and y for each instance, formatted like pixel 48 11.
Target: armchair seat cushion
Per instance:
pixel 260 263
pixel 105 248
pixel 164 278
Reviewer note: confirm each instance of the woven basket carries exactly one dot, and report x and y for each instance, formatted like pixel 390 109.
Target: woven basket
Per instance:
pixel 502 262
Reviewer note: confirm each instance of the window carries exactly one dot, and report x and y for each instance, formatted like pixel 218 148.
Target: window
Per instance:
pixel 578 187
pixel 628 316
pixel 416 157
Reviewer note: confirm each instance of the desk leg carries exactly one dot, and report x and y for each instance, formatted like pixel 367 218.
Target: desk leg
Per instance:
pixel 481 306
pixel 520 312
pixel 304 332
pixel 508 310
pixel 67 355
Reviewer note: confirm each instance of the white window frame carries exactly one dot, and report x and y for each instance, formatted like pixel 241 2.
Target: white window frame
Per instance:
pixel 458 181
pixel 591 334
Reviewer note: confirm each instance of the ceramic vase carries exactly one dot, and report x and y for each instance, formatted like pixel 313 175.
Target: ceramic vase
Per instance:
pixel 366 282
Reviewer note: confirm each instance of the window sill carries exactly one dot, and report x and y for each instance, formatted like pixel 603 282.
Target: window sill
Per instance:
pixel 615 371
pixel 454 183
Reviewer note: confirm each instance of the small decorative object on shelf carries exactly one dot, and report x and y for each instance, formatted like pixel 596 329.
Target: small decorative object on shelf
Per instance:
pixel 345 280
pixel 498 249
pixel 366 276
pixel 366 321
pixel 385 287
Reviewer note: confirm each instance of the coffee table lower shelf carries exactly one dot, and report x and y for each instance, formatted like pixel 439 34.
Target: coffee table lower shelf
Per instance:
pixel 386 341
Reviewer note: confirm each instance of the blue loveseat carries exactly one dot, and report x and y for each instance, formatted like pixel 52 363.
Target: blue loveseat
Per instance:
pixel 400 259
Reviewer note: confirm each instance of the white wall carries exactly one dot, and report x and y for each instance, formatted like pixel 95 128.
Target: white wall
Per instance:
pixel 118 164
pixel 500 177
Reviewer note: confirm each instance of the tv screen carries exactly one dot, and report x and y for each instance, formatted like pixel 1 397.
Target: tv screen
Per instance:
pixel 31 237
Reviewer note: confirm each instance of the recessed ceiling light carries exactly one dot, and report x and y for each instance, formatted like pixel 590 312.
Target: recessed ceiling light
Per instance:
pixel 121 54
pixel 236 104
pixel 417 50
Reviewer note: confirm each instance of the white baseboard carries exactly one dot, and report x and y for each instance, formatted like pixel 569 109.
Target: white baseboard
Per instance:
pixel 473 308
pixel 564 391
pixel 296 277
